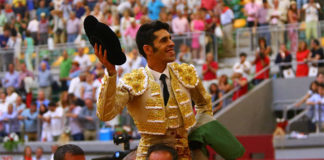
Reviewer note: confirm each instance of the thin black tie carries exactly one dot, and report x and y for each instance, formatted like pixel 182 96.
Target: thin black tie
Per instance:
pixel 165 89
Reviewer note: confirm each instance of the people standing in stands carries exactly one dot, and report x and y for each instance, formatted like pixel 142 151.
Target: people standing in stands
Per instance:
pixel 316 112
pixel 210 68
pixel 83 60
pixel 262 21
pixel 311 10
pixel 293 18
pixel 11 95
pixel 44 127
pixel 282 58
pixel 89 120
pixel 29 117
pixel 154 9
pixel 197 26
pixel 54 116
pixel 45 80
pixel 250 10
pixel 74 123
pixel 301 57
pixel 261 61
pixel 65 68
pixel 317 54
pixel 241 82
pixel 216 94
pixel 11 121
pixel 43 29
pixel 243 65
pixel 29 50
pixel 87 89
pixel 10 78
pixel 26 78
pixel 72 27
pixel 226 19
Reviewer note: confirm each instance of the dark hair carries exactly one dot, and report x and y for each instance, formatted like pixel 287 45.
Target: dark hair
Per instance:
pixel 68 148
pixel 264 40
pixel 162 147
pixel 316 42
pixel 52 104
pixel 145 34
pixel 243 54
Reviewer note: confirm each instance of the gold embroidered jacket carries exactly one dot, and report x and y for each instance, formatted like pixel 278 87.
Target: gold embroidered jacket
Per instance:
pixel 141 94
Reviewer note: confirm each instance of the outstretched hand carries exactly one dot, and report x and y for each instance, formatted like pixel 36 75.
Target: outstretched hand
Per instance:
pixel 103 59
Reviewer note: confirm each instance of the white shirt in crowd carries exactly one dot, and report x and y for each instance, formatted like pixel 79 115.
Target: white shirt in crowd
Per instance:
pixel 83 61
pixel 11 99
pixel 311 13
pixel 33 26
pixel 75 125
pixel 132 64
pixel 56 125
pixel 75 87
pixel 244 67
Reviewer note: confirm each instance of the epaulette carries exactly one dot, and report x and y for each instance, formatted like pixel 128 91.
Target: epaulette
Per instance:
pixel 186 74
pixel 136 81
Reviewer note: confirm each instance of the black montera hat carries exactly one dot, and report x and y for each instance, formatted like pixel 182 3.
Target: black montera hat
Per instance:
pixel 101 34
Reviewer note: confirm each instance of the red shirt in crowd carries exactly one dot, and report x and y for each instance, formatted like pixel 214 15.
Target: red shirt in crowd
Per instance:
pixel 208 4
pixel 259 65
pixel 302 69
pixel 209 75
pixel 241 91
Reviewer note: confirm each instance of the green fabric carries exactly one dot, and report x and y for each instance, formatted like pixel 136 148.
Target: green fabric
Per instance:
pixel 217 137
pixel 65 67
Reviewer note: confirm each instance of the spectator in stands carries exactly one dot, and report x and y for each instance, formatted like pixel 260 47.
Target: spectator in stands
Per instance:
pixel 311 10
pixel 11 95
pixel 20 7
pixel 293 17
pixel 154 8
pixel 79 9
pixel 8 11
pixel 29 45
pixel 210 68
pixel 59 26
pixel 261 20
pixel 23 75
pixel 4 38
pixel 261 61
pixel 180 24
pixel 313 88
pixel 3 21
pixel 184 56
pixel 66 9
pixel 72 27
pixel 10 78
pixel 133 61
pixel 284 57
pixel 42 9
pixel 242 65
pixel 301 57
pixel 216 94
pixel 225 84
pixel 197 25
pixel 39 154
pixel 41 99
pixel 45 126
pixel 11 121
pixel 239 82
pixel 27 153
pixel 69 152
pixel 29 117
pixel 74 71
pixel 275 18
pixel 97 13
pixel 33 29
pixel 65 68
pixel 43 29
pixel 14 42
pixel 54 116
pixel 226 20
pixel 161 151
pixel 315 101
pixel 3 103
pixel 19 105
pixel 87 89
pixel 75 87
pixel 89 120
pixel 317 55
pixel 74 123
pixel 250 10
pixel 45 80
pixel 130 34
pixel 83 60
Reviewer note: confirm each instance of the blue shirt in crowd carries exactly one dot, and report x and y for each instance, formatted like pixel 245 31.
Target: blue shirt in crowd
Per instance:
pixel 30 121
pixel 154 9
pixel 44 78
pixel 10 80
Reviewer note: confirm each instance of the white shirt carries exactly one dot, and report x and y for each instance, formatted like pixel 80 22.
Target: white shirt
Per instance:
pixel 56 124
pixel 75 87
pixel 75 125
pixel 245 68
pixel 227 17
pixel 83 61
pixel 33 26
pixel 311 13
pixel 123 6
pixel 96 84
pixel 157 75
pixel 132 64
pixel 11 99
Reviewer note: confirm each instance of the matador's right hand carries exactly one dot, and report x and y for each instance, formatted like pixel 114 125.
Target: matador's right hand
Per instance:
pixel 103 59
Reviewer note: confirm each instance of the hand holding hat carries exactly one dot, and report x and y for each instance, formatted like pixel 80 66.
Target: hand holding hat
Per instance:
pixel 105 42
